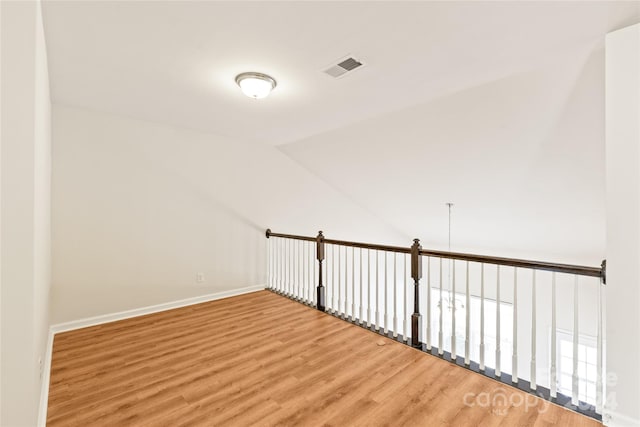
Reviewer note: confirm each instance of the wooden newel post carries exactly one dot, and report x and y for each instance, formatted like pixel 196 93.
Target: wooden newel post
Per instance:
pixel 416 274
pixel 320 305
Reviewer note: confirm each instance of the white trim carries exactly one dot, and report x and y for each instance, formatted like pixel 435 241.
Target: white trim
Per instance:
pixel 616 419
pixel 112 317
pixel 44 381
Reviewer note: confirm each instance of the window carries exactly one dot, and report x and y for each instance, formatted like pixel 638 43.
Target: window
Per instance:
pixel 587 366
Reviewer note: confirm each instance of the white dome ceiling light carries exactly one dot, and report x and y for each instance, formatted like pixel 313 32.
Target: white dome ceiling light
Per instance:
pixel 255 85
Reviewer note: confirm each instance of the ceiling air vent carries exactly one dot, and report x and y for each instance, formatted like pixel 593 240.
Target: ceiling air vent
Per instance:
pixel 343 67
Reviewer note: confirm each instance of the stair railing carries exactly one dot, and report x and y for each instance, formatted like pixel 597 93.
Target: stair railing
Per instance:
pixel 555 354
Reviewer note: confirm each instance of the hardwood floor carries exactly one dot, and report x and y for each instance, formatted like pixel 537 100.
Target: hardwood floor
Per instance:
pixel 261 359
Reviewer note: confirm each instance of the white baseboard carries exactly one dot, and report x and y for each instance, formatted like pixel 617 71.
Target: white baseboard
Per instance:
pixel 616 419
pixel 112 317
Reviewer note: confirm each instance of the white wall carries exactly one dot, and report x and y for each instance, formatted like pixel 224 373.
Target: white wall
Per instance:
pixel 25 226
pixel 520 157
pixel 1 84
pixel 140 208
pixel 623 225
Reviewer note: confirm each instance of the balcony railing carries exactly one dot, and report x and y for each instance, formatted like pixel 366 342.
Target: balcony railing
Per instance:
pixel 535 325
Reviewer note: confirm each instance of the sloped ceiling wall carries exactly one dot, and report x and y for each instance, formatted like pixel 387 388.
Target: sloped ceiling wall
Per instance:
pixel 139 209
pixel 175 62
pixel 522 159
pixel 495 106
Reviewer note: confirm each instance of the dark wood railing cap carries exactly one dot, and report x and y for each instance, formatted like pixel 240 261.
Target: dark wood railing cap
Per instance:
pixel 513 262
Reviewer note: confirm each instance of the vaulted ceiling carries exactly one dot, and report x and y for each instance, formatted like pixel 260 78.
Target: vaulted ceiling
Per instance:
pixel 175 62
pixel 495 106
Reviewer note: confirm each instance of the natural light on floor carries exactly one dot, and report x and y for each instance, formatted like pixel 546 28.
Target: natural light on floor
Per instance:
pixel 586 349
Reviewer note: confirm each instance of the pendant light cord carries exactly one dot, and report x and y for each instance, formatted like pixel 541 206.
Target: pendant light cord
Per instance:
pixel 452 301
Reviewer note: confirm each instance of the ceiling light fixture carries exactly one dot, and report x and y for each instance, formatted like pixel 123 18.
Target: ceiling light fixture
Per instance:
pixel 255 85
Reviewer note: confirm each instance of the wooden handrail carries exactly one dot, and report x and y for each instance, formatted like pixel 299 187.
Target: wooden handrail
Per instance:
pixel 289 236
pixel 398 249
pixel 386 248
pixel 512 262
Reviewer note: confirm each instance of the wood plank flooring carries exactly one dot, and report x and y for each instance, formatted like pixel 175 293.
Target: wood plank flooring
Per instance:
pixel 260 360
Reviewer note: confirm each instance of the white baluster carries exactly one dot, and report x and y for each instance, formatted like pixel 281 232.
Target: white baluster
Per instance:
pixel 576 335
pixel 346 282
pixel 299 270
pixel 280 265
pixel 361 297
pixel 428 303
pixel 409 296
pixel 423 332
pixel 369 287
pixel 331 282
pixel 467 327
pixel 339 309
pixel 294 281
pixel 301 285
pixel 325 275
pixel 498 351
pixel 287 266
pixel 288 246
pixel 514 353
pixel 269 263
pixel 299 265
pixel 440 341
pixel 553 381
pixel 353 284
pixel 599 388
pixel 338 296
pixel 274 263
pixel 405 311
pixel 453 309
pixel 377 293
pixel 305 269
pixel 333 279
pixel 482 317
pixel 314 276
pixel 533 333
pixel 395 296
pixel 339 305
pixel 385 290
pixel 310 271
pixel 291 268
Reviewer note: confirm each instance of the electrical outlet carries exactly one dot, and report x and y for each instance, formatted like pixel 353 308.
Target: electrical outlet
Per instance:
pixel 200 277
